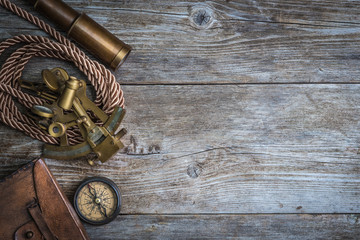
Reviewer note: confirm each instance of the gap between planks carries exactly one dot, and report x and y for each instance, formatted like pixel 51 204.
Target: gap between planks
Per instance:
pixel 236 214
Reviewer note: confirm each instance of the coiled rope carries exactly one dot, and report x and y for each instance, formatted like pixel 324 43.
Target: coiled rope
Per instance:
pixel 108 91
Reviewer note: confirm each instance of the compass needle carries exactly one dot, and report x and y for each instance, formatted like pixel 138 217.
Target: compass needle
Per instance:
pixel 97 200
pixel 91 197
pixel 103 212
pixel 92 209
pixel 91 188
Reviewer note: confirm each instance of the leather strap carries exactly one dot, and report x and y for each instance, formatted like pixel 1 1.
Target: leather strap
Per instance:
pixel 28 231
pixel 35 213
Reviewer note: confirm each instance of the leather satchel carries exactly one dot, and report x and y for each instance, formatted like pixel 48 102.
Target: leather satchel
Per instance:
pixel 33 206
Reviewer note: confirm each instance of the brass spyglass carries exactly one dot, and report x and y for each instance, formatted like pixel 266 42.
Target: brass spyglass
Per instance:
pixel 80 27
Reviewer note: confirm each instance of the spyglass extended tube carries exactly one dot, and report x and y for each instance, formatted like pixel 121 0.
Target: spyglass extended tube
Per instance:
pixel 96 39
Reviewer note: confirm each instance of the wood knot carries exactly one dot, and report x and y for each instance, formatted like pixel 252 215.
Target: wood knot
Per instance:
pixel 201 16
pixel 193 170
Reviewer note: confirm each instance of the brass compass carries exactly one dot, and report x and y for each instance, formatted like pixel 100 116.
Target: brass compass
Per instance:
pixel 97 200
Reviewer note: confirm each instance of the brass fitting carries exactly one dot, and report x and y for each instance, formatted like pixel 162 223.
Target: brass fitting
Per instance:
pixel 57 129
pixel 68 95
pixel 96 39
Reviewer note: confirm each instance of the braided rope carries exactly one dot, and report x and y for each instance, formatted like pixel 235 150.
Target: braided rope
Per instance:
pixel 108 91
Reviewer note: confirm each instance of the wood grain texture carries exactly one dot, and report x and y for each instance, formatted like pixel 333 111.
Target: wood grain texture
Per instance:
pixel 225 149
pixel 243 119
pixel 229 227
pixel 226 41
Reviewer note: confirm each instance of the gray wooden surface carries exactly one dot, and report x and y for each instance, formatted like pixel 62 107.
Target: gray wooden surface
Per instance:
pixel 242 117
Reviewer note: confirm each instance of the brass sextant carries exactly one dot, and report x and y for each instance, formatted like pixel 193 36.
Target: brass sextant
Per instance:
pixel 69 106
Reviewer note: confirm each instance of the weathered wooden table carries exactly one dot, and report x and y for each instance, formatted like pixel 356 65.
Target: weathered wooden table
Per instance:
pixel 242 118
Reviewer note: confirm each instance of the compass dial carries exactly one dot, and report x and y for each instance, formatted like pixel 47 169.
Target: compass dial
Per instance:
pixel 97 200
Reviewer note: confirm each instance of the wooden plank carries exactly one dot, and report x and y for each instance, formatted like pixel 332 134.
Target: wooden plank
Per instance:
pixel 226 149
pixel 229 227
pixel 197 157
pixel 247 42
